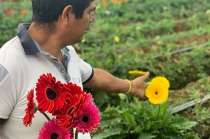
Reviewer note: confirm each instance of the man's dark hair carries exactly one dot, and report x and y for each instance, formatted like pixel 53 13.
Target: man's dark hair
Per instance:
pixel 47 11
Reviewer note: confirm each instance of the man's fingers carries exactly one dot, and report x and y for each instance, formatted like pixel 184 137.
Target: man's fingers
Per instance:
pixel 146 75
pixel 144 98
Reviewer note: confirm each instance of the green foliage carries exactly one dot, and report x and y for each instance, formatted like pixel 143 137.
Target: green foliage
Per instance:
pixel 179 68
pixel 11 14
pixel 149 35
pixel 142 120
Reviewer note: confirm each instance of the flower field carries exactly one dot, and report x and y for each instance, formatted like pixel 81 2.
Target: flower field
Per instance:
pixel 169 38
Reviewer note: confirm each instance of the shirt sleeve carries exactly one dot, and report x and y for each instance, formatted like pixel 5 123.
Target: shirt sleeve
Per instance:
pixel 7 93
pixel 86 69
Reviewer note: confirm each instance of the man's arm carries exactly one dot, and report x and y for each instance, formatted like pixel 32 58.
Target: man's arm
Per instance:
pixel 7 94
pixel 102 80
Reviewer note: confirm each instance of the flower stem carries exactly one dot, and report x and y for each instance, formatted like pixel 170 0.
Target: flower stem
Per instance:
pixel 46 116
pixel 76 134
pixel 158 111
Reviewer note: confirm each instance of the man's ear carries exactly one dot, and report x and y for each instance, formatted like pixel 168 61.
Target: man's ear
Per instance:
pixel 67 14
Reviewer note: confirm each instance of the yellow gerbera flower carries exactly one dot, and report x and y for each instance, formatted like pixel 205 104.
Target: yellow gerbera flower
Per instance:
pixel 161 80
pixel 157 90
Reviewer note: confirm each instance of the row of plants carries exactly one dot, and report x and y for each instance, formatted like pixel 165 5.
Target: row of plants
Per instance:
pixel 143 10
pixel 20 11
pixel 141 33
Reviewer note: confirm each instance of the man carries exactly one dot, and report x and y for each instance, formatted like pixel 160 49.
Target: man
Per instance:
pixel 42 47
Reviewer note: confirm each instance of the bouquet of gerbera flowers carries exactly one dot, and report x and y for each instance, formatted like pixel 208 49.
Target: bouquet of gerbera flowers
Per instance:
pixel 70 106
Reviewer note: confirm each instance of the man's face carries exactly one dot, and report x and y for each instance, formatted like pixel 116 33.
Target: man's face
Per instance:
pixel 81 25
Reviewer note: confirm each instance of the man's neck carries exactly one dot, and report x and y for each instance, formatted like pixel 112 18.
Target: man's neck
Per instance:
pixel 47 40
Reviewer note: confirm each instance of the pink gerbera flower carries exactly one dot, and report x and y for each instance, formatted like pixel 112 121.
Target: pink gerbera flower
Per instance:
pixel 30 108
pixel 49 93
pixel 51 130
pixel 89 98
pixel 88 118
pixel 65 121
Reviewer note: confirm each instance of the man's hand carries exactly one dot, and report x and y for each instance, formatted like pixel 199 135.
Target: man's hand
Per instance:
pixel 102 80
pixel 139 86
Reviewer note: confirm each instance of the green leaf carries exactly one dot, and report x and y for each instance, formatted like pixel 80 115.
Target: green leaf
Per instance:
pixel 109 122
pixel 129 118
pixel 108 133
pixel 183 124
pixel 146 136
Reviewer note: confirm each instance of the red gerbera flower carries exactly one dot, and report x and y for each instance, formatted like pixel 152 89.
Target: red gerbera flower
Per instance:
pixel 49 93
pixel 51 130
pixel 88 118
pixel 73 89
pixel 85 100
pixel 29 111
pixel 74 98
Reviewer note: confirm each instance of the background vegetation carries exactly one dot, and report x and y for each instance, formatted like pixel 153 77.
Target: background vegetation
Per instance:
pixel 169 38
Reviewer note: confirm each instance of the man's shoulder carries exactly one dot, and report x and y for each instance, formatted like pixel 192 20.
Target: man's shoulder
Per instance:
pixel 11 46
pixel 14 40
pixel 11 54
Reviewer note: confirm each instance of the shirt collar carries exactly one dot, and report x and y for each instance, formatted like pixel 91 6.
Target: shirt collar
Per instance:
pixel 29 45
pixel 27 42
